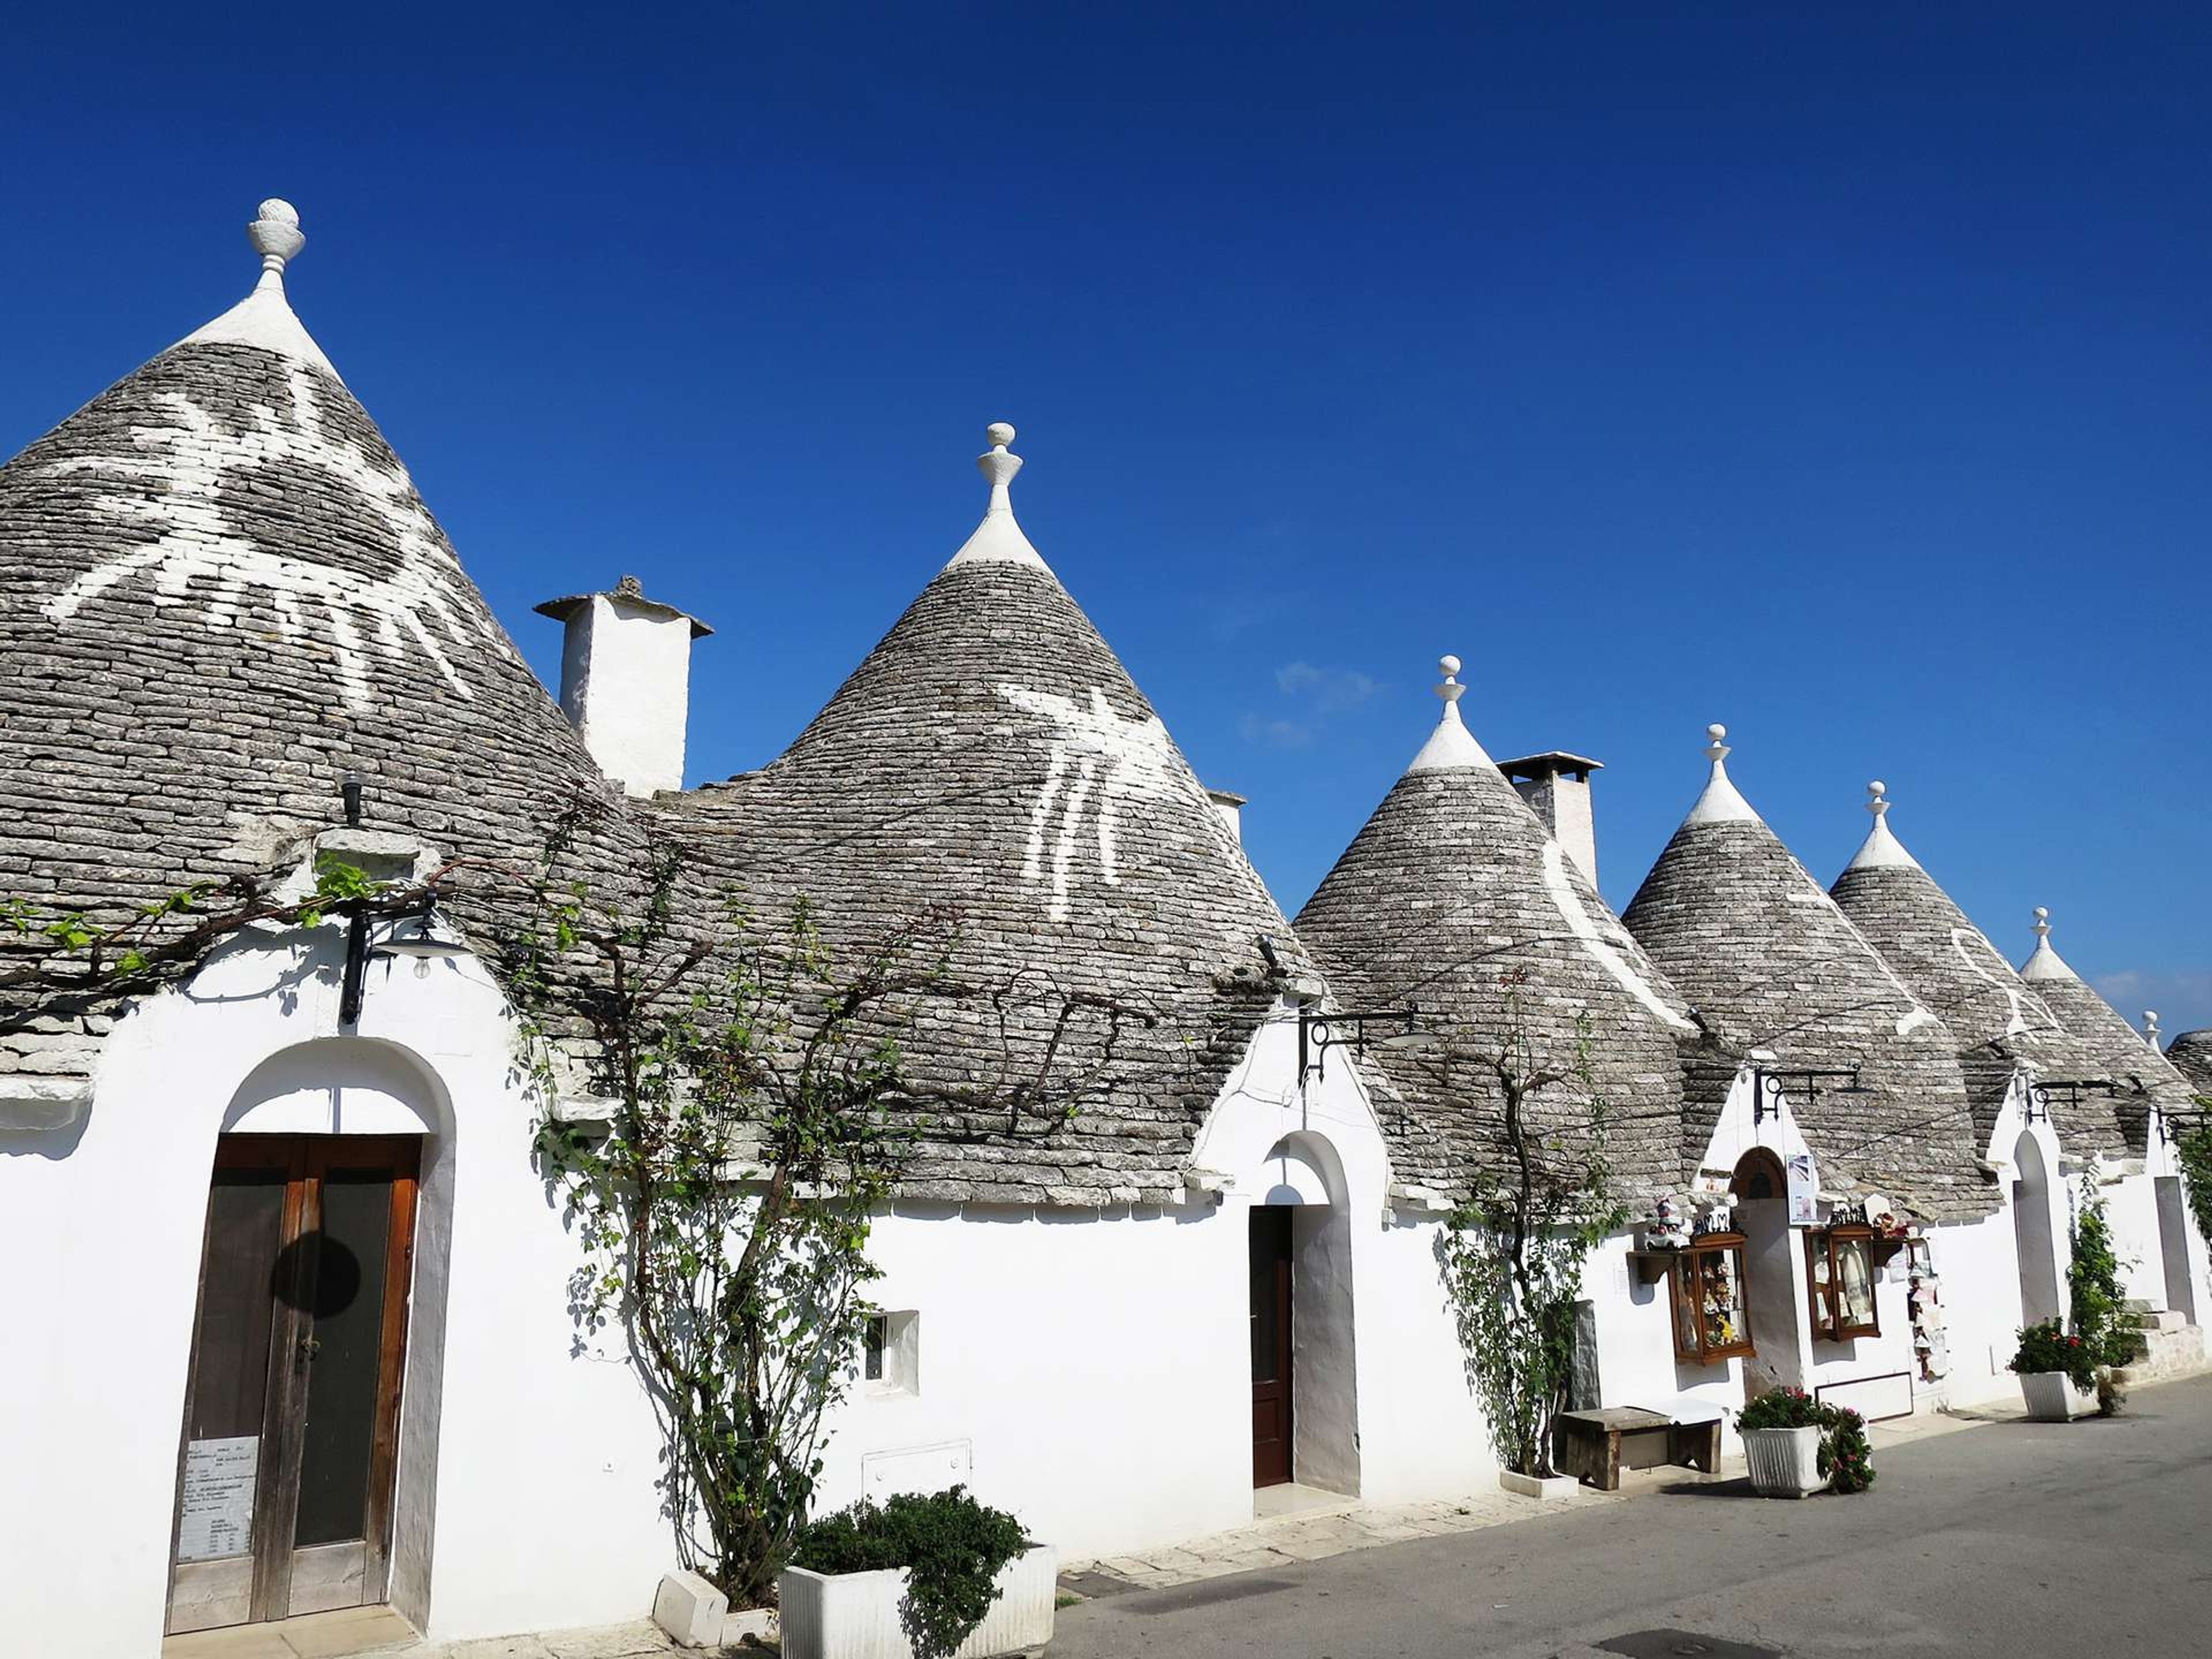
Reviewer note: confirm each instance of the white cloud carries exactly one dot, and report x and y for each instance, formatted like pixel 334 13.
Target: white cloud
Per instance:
pixel 1325 690
pixel 1275 733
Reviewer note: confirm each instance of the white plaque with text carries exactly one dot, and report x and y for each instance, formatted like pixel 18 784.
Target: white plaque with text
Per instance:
pixel 215 1517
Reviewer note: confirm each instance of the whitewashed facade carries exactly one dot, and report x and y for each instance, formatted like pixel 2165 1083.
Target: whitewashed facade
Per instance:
pixel 222 595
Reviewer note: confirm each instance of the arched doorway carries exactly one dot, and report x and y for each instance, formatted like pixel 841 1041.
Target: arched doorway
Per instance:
pixel 1759 1194
pixel 304 1337
pixel 1305 1400
pixel 2033 1234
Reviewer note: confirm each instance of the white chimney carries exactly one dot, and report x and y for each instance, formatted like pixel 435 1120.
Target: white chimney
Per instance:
pixel 1557 785
pixel 1230 806
pixel 626 682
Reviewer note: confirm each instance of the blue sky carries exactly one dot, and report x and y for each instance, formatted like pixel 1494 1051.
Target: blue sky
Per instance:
pixel 1845 378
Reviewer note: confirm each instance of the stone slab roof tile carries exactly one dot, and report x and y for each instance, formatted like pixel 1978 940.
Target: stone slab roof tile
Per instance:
pixel 1952 967
pixel 1768 961
pixel 992 758
pixel 1454 896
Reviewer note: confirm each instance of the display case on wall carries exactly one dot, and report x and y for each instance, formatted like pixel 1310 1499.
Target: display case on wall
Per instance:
pixel 1841 1264
pixel 1707 1285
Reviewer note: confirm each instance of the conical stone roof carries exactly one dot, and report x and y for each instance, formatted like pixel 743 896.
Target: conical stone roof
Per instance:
pixel 219 594
pixel 1454 897
pixel 2190 1054
pixel 1769 962
pixel 993 756
pixel 2146 1077
pixel 1951 966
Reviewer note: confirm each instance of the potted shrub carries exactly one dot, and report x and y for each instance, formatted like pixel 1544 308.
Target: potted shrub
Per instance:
pixel 1846 1455
pixel 1782 1431
pixel 2058 1373
pixel 929 1576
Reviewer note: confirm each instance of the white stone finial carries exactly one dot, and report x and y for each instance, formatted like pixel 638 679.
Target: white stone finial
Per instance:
pixel 1451 745
pixel 1721 802
pixel 2150 1026
pixel 264 318
pixel 999 539
pixel 999 464
pixel 1879 848
pixel 2042 962
pixel 277 238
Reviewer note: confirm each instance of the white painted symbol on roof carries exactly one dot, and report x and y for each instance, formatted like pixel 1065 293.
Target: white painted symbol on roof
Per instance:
pixel 1095 754
pixel 199 542
pixel 1585 930
pixel 2017 1025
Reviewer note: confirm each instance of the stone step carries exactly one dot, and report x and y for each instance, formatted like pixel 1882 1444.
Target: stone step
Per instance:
pixel 2167 1353
pixel 2135 1304
pixel 2159 1319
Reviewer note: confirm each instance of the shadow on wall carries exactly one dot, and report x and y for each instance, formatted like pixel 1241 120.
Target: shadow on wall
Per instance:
pixel 52 1143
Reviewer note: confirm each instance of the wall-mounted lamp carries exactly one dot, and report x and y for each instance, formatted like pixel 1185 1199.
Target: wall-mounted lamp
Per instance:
pixel 2070 1090
pixel 424 935
pixel 1767 1088
pixel 419 933
pixel 1396 1028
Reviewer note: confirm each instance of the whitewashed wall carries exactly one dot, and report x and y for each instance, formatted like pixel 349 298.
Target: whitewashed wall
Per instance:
pixel 1092 1374
pixel 1980 1272
pixel 546 1511
pixel 2131 1208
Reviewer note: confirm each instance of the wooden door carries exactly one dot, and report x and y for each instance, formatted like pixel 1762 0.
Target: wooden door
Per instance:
pixel 1270 1345
pixel 292 1405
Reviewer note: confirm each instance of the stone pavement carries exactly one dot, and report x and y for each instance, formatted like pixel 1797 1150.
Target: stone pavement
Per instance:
pixel 380 1631
pixel 1309 1525
pixel 1319 1525
pixel 1321 1530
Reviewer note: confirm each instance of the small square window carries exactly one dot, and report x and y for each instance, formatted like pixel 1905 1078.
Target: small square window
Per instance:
pixel 891 1353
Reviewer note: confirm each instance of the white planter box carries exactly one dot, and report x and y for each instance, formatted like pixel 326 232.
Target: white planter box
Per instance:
pixel 2052 1397
pixel 1785 1462
pixel 855 1615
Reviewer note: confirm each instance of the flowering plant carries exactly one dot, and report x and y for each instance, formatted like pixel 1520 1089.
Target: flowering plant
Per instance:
pixel 1782 1408
pixel 1846 1457
pixel 2047 1348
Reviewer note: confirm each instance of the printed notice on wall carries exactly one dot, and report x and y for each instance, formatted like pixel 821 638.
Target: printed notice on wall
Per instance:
pixel 1804 1194
pixel 214 1516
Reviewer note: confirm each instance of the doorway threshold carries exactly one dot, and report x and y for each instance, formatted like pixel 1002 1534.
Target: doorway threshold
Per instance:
pixel 1288 1498
pixel 311 1636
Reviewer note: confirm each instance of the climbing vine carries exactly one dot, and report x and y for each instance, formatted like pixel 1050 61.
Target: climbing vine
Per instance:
pixel 62 960
pixel 1513 1254
pixel 2193 1153
pixel 758 1113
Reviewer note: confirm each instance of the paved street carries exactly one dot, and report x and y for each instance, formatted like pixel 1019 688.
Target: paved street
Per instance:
pixel 2011 1539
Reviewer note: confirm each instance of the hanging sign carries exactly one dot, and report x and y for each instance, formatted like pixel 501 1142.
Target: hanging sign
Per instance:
pixel 215 1514
pixel 1804 1206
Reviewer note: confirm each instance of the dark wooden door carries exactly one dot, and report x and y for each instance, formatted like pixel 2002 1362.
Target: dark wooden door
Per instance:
pixel 1270 1345
pixel 292 1405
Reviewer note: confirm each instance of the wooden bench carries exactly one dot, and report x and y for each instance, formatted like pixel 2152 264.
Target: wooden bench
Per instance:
pixel 1598 1445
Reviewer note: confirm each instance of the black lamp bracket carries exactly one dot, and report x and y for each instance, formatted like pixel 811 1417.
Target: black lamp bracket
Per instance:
pixel 1768 1087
